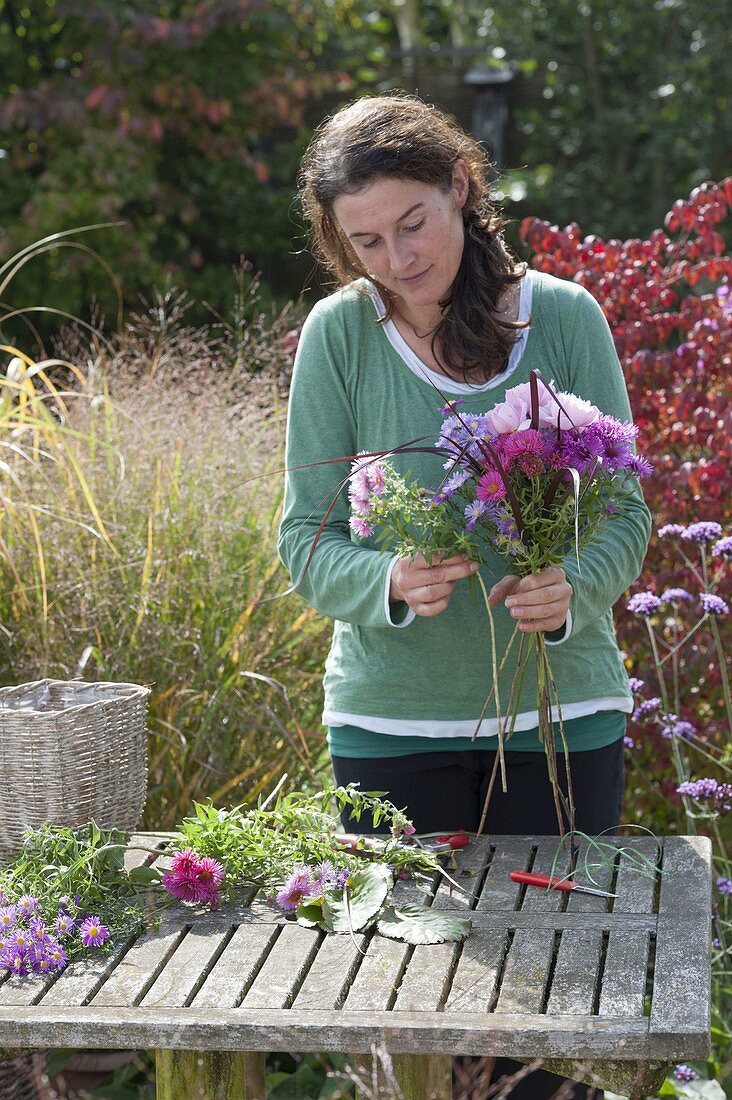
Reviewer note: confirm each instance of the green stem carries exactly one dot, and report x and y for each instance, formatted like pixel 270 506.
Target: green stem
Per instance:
pixel 722 669
pixel 657 660
pixel 494 670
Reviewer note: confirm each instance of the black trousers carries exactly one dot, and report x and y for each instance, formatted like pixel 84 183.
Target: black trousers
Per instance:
pixel 445 791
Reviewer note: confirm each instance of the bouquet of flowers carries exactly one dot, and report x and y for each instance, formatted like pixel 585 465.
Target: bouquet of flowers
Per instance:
pixel 536 476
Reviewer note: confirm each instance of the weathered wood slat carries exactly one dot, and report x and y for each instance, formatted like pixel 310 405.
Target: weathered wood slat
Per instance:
pixel 576 973
pixel 419 1032
pixel 525 973
pixel 595 868
pixel 27 990
pixel 234 970
pixel 682 994
pixel 499 892
pixel 559 921
pixel 624 976
pixel 330 976
pixel 83 977
pixel 277 983
pixel 177 982
pixel 636 880
pixel 138 969
pixel 426 981
pixel 475 980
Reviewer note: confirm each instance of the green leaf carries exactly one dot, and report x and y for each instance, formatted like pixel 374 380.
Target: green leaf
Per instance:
pixel 421 924
pixel 353 908
pixel 143 875
pixel 310 913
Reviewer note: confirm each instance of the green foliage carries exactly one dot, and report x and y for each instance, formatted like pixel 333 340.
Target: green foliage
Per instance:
pixel 186 123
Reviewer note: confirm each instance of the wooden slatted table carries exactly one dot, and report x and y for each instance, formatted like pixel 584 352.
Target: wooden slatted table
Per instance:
pixel 608 991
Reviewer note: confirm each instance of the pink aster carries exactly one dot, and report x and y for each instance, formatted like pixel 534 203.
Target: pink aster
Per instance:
pixel 295 888
pixel 490 487
pixel 181 887
pixel 210 872
pixel 185 863
pixel 361 527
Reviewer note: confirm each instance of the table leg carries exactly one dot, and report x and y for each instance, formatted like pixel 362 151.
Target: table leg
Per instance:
pixel 209 1075
pixel 418 1076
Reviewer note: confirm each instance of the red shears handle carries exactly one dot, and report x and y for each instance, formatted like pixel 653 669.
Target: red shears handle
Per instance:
pixel 533 879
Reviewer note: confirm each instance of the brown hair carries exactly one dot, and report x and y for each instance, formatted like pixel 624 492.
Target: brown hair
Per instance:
pixel 402 137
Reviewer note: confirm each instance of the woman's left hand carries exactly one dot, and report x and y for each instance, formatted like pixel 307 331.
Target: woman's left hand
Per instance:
pixel 538 602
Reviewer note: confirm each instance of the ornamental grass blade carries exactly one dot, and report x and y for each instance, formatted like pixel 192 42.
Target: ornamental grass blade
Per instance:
pixel 354 908
pixel 421 924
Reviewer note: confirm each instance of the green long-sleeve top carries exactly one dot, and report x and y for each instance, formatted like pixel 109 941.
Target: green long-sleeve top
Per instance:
pixel 353 391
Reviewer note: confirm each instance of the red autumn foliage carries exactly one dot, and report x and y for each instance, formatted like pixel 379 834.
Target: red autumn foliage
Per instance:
pixel 668 302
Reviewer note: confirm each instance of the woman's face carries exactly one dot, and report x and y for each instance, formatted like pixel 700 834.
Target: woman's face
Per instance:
pixel 408 235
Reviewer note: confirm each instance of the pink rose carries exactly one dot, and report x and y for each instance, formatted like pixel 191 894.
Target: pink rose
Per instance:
pixel 575 413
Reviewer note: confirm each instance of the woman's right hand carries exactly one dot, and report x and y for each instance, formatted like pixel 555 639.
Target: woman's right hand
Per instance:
pixel 427 588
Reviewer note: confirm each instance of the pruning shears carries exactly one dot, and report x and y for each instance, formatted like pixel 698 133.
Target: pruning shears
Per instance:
pixel 532 878
pixel 446 843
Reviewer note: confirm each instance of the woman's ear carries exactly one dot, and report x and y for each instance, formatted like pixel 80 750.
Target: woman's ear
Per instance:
pixel 460 183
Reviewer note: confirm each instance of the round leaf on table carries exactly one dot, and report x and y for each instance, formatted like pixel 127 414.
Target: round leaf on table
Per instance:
pixel 420 924
pixel 354 907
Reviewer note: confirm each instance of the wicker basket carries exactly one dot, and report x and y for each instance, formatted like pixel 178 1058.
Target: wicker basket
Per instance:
pixel 24 1077
pixel 71 752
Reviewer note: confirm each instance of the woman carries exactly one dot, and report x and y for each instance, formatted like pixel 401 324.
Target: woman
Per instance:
pixel 430 302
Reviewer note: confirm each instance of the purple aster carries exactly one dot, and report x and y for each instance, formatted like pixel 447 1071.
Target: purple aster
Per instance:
pixel 648 706
pixel 21 938
pixel 27 905
pixel 635 684
pixel 724 885
pixel 295 888
pixel 611 508
pixel 92 932
pixel 64 923
pixel 450 407
pixel 643 603
pixel 451 484
pixel 39 960
pixel 57 955
pixel 676 595
pixel 342 877
pixel 14 961
pixel 713 605
pixel 702 533
pixel 628 741
pixel 475 511
pixel 8 916
pixel 38 931
pixel 708 790
pixel 670 529
pixel 723 548
pixel 639 466
pixel 685 1073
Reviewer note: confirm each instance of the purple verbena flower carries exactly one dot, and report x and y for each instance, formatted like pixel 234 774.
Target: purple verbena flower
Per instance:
pixel 635 684
pixel 670 529
pixel 724 885
pixel 685 1073
pixel 676 727
pixel 708 790
pixel 676 595
pixel 701 533
pixel 628 741
pixel 343 877
pixel 93 932
pixel 712 604
pixel 723 548
pixel 648 706
pixel 643 603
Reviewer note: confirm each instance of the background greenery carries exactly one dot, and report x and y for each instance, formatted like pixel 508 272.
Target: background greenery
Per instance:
pixel 185 121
